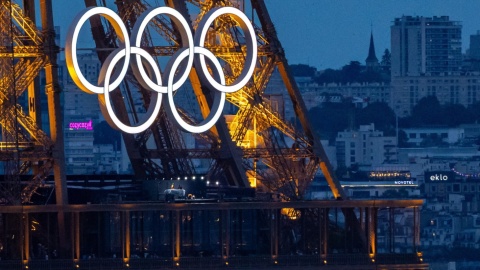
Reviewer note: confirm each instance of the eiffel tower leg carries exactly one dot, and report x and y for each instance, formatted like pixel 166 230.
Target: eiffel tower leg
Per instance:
pixel 34 110
pixel 56 128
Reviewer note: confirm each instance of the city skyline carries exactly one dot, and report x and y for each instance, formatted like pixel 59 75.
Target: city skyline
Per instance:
pixel 329 24
pixel 347 43
pixel 346 169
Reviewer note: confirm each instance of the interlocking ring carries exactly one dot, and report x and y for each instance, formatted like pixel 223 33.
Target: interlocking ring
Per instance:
pixel 151 78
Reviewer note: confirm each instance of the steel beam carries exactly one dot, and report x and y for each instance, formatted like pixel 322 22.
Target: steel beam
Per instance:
pixel 295 96
pixel 53 90
pixel 210 206
pixel 230 157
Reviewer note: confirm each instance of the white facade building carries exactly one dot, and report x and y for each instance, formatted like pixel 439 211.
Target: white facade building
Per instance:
pixel 314 94
pixel 446 134
pixel 449 89
pixel 365 146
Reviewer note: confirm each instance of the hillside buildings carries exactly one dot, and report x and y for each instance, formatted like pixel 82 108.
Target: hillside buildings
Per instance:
pixel 427 60
pixel 365 146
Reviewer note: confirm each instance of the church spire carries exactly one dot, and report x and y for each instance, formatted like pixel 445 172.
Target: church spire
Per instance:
pixel 372 60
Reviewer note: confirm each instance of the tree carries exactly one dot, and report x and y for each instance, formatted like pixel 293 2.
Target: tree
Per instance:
pixel 386 58
pixel 351 72
pixel 302 70
pixel 329 76
pixel 380 114
pixel 474 110
pixel 456 114
pixel 427 112
pixel 329 118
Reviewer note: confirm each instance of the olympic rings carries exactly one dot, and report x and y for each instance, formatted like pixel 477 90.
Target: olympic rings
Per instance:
pixel 152 78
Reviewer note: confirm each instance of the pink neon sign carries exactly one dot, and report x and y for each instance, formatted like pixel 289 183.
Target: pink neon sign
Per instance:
pixel 81 125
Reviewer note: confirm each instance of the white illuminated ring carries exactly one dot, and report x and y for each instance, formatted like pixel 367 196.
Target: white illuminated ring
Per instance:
pixel 187 42
pixel 218 101
pixel 250 37
pixel 110 116
pixel 147 72
pixel 71 47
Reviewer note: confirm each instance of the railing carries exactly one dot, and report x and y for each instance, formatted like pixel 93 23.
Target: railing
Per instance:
pixel 247 262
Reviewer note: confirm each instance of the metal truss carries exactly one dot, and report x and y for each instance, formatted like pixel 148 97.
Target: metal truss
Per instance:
pixel 24 52
pixel 287 156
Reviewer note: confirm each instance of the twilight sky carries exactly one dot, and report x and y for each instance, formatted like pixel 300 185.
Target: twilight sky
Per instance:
pixel 330 33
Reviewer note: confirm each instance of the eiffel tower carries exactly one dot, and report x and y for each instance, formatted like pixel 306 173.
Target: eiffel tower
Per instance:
pixel 258 147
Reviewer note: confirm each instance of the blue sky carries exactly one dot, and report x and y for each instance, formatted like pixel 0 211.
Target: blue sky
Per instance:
pixel 330 33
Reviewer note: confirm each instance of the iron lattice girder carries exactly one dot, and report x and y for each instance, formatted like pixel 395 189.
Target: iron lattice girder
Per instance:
pixel 162 132
pixel 254 105
pixel 31 32
pixel 32 153
pixel 21 52
pixel 249 153
pixel 23 58
pixel 225 53
pixel 233 55
pixel 25 71
pixel 160 24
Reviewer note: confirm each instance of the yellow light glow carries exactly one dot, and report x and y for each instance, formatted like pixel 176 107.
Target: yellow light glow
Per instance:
pixel 291 213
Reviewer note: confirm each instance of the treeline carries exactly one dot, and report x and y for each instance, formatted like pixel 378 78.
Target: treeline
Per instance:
pixel 330 118
pixel 353 73
pixel 429 112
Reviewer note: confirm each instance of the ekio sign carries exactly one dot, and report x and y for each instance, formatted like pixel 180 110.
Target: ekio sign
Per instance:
pixel 439 176
pixel 192 49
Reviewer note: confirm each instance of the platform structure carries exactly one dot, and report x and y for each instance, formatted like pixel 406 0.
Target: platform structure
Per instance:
pixel 212 235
